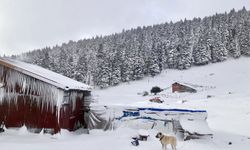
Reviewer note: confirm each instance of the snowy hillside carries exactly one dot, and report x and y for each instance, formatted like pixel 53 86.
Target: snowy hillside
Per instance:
pixel 223 89
pixel 227 83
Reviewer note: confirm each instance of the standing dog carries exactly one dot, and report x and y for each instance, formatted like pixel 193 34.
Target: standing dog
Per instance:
pixel 165 140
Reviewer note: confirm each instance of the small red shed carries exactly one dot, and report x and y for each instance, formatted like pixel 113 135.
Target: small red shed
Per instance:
pixel 41 99
pixel 179 87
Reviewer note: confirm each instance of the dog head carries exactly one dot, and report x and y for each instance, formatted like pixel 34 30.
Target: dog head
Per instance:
pixel 158 135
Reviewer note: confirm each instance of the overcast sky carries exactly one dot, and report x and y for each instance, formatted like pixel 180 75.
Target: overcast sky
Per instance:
pixel 29 24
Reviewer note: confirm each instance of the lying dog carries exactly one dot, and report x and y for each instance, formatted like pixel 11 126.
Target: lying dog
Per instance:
pixel 165 140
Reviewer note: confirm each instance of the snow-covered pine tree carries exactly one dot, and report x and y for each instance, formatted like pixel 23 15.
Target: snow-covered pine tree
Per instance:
pixel 218 49
pixel 185 56
pixel 138 68
pixel 172 53
pixel 103 72
pixel 114 62
pixel 153 64
pixel 184 47
pixel 201 55
pixel 81 69
pixel 233 42
pixel 244 35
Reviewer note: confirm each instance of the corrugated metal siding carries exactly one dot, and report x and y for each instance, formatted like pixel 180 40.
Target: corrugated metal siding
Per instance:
pixel 72 112
pixel 27 107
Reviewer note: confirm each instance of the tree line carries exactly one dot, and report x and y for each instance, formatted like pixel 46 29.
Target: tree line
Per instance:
pixel 145 51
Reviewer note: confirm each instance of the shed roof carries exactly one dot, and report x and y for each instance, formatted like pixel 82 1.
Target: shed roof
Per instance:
pixel 44 75
pixel 185 84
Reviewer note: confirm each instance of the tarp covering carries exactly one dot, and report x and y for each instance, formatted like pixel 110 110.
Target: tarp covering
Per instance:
pixel 111 117
pixel 195 126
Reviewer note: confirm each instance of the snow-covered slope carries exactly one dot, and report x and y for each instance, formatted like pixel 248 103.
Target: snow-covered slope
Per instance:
pixel 224 91
pixel 226 83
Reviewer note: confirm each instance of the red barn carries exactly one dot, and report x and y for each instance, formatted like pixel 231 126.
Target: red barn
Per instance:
pixel 178 87
pixel 41 99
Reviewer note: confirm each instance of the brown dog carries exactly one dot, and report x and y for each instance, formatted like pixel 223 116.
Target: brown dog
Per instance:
pixel 165 140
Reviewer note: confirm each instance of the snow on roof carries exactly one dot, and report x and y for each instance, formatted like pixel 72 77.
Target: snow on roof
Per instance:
pixel 193 126
pixel 143 132
pixel 185 84
pixel 45 75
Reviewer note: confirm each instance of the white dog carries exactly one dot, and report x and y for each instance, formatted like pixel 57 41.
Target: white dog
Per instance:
pixel 165 140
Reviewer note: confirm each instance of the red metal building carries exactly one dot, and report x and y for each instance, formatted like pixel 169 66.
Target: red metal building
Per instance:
pixel 41 99
pixel 178 87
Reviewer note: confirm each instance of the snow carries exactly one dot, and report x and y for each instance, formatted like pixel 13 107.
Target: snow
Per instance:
pixel 227 108
pixel 119 139
pixel 195 126
pixel 143 132
pixel 45 75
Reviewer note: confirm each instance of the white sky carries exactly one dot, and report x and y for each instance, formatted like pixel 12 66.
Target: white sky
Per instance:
pixel 29 24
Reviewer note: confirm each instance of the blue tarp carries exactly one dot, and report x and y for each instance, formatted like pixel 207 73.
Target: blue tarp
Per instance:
pixel 177 110
pixel 130 113
pixel 136 113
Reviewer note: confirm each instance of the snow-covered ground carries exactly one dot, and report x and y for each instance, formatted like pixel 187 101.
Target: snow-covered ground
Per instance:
pixel 228 107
